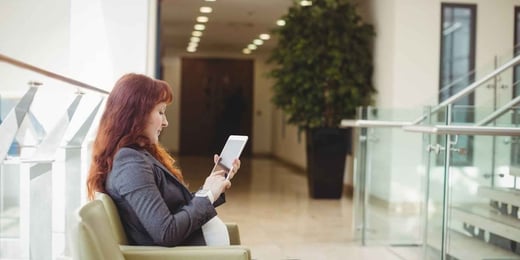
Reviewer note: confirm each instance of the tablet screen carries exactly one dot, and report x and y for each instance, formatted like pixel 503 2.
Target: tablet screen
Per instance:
pixel 232 149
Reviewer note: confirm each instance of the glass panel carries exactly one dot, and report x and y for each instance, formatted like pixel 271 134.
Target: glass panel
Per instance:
pixel 514 140
pixel 435 180
pixel 472 206
pixel 10 228
pixel 483 202
pixel 43 140
pixel 390 183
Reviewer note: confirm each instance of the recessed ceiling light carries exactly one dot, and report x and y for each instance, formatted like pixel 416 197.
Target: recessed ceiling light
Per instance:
pixel 305 3
pixel 258 42
pixel 202 19
pixel 265 36
pixel 191 49
pixel 199 27
pixel 193 44
pixel 211 0
pixel 280 22
pixel 196 33
pixel 206 10
pixel 194 39
pixel 251 47
pixel 246 51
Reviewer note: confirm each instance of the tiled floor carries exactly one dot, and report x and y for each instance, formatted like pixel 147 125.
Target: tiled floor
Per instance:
pixel 278 220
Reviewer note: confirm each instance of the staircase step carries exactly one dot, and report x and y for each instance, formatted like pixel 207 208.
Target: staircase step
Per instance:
pixel 504 195
pixel 9 223
pixel 11 212
pixel 514 171
pixel 489 219
pixel 466 247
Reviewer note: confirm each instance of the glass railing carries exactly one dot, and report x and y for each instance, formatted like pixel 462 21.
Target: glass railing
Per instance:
pixel 45 122
pixel 472 191
pixel 425 203
pixel 388 180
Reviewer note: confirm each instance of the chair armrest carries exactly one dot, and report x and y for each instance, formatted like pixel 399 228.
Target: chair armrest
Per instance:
pixel 234 234
pixel 186 252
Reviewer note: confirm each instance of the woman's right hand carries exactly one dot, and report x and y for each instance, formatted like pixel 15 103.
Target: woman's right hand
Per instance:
pixel 216 183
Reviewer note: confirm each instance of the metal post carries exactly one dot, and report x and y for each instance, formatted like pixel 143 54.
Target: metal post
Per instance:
pixel 446 188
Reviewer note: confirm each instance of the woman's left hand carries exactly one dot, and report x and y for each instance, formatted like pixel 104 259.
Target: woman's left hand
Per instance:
pixel 236 165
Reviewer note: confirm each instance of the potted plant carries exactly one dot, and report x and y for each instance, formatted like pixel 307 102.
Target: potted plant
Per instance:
pixel 323 73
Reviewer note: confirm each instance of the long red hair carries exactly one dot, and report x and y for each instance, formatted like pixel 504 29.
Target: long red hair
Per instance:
pixel 122 125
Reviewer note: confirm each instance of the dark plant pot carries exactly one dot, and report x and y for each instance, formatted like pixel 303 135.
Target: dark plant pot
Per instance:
pixel 327 149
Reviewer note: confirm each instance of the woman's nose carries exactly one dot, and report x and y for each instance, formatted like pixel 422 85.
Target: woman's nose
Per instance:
pixel 165 122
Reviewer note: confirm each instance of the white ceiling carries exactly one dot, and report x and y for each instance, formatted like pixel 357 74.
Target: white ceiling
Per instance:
pixel 232 25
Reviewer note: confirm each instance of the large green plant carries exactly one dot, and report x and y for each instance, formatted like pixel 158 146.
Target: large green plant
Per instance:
pixel 324 63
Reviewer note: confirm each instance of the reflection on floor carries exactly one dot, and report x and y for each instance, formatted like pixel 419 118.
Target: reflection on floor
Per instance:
pixel 278 220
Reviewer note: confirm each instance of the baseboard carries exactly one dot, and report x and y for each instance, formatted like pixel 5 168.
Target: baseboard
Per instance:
pixel 263 155
pixel 348 190
pixel 295 168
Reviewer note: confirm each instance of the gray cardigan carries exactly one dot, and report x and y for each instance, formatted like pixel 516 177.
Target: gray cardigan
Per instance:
pixel 155 208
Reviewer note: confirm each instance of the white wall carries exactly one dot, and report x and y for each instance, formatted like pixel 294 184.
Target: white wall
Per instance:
pixel 262 108
pixel 93 41
pixel 111 38
pixel 288 143
pixel 35 32
pixel 172 75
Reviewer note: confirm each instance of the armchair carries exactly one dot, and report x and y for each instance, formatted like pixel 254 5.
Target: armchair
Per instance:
pixel 97 233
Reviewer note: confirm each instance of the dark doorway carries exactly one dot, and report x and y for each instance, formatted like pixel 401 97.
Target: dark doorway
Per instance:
pixel 216 101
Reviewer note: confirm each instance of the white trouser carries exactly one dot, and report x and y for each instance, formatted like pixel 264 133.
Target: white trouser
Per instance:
pixel 215 232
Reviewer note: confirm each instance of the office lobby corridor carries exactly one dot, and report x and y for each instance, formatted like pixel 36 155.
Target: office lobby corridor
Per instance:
pixel 277 219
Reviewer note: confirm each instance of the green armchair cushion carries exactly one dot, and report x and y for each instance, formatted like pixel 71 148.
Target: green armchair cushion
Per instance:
pixel 96 233
pixel 186 252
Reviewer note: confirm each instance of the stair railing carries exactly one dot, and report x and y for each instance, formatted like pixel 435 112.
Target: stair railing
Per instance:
pixel 35 172
pixel 26 66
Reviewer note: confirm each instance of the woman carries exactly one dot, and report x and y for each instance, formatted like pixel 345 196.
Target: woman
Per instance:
pixel 129 164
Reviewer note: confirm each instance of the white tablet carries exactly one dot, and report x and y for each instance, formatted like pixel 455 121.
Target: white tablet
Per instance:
pixel 232 149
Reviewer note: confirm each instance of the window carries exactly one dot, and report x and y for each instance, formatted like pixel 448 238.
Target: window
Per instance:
pixel 515 120
pixel 457 70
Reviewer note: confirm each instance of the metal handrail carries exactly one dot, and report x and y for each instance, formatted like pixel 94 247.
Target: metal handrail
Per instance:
pixel 50 74
pixel 372 123
pixel 465 91
pixel 499 112
pixel 469 88
pixel 464 130
pixel 436 129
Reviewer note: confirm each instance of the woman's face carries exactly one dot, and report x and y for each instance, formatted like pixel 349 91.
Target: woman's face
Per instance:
pixel 156 122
